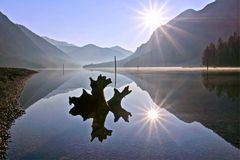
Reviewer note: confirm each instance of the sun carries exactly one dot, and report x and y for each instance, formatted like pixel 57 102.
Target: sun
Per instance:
pixel 152 16
pixel 152 114
pixel 152 19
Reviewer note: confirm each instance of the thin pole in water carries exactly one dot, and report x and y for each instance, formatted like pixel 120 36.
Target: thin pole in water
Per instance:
pixel 115 67
pixel 137 65
pixel 63 68
pixel 207 63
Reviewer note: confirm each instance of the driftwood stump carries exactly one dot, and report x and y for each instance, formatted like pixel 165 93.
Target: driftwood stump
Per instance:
pixel 95 106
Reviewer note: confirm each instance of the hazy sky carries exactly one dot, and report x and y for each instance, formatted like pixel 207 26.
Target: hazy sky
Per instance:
pixel 105 23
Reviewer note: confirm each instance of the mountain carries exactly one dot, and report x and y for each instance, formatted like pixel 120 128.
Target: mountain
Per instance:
pixel 57 43
pixel 90 53
pixel 20 47
pixel 94 54
pixel 51 51
pixel 182 40
pixel 122 50
pixel 63 46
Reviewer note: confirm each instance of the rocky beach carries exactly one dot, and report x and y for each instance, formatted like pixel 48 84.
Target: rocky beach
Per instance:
pixel 12 81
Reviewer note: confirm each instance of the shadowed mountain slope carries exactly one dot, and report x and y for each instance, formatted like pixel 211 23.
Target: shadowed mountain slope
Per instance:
pixel 182 40
pixel 19 47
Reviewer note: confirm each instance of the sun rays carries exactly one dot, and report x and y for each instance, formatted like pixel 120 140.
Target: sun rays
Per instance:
pixel 151 119
pixel 152 16
pixel 152 114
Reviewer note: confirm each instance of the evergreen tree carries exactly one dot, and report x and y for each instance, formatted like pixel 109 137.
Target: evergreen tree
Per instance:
pixel 225 54
pixel 205 56
pixel 212 54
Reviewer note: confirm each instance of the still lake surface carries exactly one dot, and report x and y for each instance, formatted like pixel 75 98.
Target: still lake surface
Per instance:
pixel 198 119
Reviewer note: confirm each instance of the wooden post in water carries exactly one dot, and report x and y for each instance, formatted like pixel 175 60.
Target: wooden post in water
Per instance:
pixel 137 66
pixel 63 68
pixel 115 70
pixel 207 67
pixel 207 64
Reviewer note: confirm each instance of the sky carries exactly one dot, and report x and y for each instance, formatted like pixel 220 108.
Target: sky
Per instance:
pixel 105 23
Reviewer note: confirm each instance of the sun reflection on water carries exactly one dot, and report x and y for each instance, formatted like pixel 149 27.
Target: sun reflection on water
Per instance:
pixel 152 117
pixel 152 114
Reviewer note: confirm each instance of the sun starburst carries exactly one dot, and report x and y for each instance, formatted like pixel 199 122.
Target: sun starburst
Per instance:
pixel 152 114
pixel 152 16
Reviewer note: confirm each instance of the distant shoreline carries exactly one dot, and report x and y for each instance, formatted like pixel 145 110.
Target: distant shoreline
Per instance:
pixel 147 69
pixel 168 69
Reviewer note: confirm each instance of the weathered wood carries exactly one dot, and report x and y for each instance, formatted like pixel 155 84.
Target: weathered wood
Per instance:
pixel 95 106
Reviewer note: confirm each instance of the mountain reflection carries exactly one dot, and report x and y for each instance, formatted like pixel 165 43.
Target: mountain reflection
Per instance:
pixel 187 96
pixel 95 106
pixel 212 100
pixel 36 88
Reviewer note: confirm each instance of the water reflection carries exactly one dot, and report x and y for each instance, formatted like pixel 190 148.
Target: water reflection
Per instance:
pixel 187 96
pixel 223 84
pixel 48 83
pixel 95 106
pixel 152 118
pixel 47 131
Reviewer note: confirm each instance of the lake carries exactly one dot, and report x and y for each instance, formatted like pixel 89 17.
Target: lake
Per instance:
pixel 198 117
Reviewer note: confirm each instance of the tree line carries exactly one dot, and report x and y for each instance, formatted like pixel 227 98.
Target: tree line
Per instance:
pixel 223 53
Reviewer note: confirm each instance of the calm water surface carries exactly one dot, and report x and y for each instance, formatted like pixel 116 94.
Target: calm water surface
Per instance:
pixel 199 118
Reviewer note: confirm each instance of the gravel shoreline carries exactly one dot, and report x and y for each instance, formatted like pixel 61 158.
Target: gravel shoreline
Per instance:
pixel 12 81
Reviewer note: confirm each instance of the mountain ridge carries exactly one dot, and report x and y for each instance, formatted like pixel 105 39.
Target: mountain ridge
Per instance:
pixel 182 40
pixel 91 53
pixel 20 47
